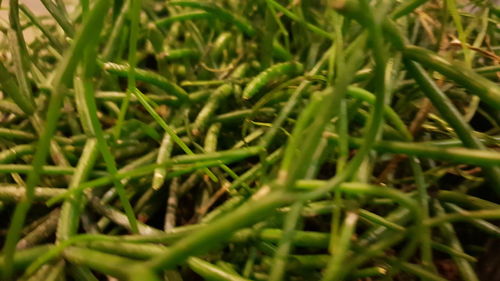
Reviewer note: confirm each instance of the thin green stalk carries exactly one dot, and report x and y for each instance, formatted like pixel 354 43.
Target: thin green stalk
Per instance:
pixel 325 112
pixel 134 14
pixel 206 113
pixel 172 203
pixel 463 216
pixel 296 18
pixel 167 21
pixel 16 134
pixel 358 188
pixel 306 239
pixel 60 17
pixel 65 70
pixel 287 69
pixel 21 62
pixel 480 224
pixel 423 199
pixel 475 83
pixel 148 251
pixel 333 269
pixel 260 205
pixel 220 13
pixel 419 271
pixel 34 19
pixel 212 272
pixel 19 51
pixel 163 154
pixel 45 170
pixel 86 87
pixel 465 200
pixel 208 237
pixel 376 120
pixel 11 193
pixel 342 130
pixel 150 77
pixel 452 252
pixel 487 90
pixel 70 211
pixel 12 153
pixel 56 152
pixel 110 48
pixel 291 103
pixel 119 218
pixel 389 113
pixel 448 232
pixel 452 9
pixel 60 248
pixel 109 264
pixel 453 117
pixel 291 167
pixel 142 99
pixel 81 273
pixel 400 215
pixel 406 8
pixel 422 149
pixel 197 161
pixel 6 82
pixel 41 232
pixel 23 258
pixel 370 251
pixel 11 88
pixel 285 244
pixel 374 218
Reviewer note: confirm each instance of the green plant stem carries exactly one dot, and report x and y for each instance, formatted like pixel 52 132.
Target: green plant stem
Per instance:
pixel 218 231
pixel 406 8
pixel 81 273
pixel 23 258
pixel 27 169
pixel 423 199
pixel 480 224
pixel 134 14
pixel 70 211
pixel 453 117
pixel 150 77
pixel 119 218
pixel 62 76
pixel 333 268
pixel 11 88
pixel 148 251
pixel 167 21
pixel 285 244
pixel 488 91
pixel 463 216
pixel 465 200
pixel 42 232
pixel 198 161
pixel 424 150
pixel 419 271
pixel 16 134
pixel 142 99
pixel 220 13
pixel 60 17
pixel 296 18
pixel 448 232
pixel 475 83
pixel 33 18
pixel 17 194
pixel 109 264
pixel 86 88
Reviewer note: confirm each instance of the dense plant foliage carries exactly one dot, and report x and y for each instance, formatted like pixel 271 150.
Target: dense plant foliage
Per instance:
pixel 250 140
